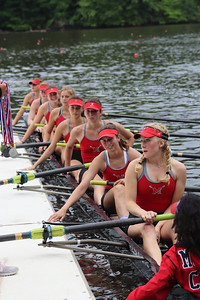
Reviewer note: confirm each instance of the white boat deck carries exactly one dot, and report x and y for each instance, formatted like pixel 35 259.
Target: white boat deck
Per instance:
pixel 44 273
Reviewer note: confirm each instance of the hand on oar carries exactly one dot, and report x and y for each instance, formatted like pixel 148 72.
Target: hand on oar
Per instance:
pixel 31 168
pixel 59 230
pixel 59 215
pixel 18 143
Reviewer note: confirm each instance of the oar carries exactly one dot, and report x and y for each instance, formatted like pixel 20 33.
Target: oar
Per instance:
pixel 18 129
pixel 149 118
pixel 63 144
pixel 7 151
pixel 53 231
pixel 24 177
pixel 25 107
pixel 106 182
pixel 179 154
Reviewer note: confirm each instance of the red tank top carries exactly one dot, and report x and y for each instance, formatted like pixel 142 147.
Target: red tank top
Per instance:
pixel 156 196
pixel 90 148
pixel 32 99
pixel 60 118
pixel 112 174
pixel 66 138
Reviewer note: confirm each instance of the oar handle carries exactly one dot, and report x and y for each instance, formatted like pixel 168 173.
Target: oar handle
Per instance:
pixel 25 107
pixel 19 179
pixel 39 125
pixel 101 182
pixel 37 233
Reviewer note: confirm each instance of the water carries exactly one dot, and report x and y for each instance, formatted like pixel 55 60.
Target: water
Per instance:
pixel 162 82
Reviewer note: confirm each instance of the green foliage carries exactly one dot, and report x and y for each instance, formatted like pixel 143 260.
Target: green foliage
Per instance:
pixel 41 14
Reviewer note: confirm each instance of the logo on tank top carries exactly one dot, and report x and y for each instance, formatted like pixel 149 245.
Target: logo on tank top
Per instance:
pixel 96 149
pixel 156 191
pixel 118 176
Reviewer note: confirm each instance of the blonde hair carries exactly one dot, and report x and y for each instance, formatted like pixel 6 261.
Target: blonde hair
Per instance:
pixel 44 82
pixel 69 89
pixel 166 151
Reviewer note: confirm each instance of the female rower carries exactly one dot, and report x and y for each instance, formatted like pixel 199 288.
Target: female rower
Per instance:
pixel 38 102
pixel 112 162
pixel 29 98
pixel 3 88
pixel 87 136
pixel 153 183
pixel 181 264
pixel 63 130
pixel 43 111
pixel 59 114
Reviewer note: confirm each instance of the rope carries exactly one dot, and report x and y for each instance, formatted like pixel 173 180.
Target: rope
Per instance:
pixel 6 117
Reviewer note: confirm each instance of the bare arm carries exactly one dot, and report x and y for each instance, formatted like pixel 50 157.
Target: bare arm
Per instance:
pixel 125 133
pixel 133 154
pixel 74 136
pixel 94 168
pixel 3 88
pixel 50 125
pixel 33 110
pixel 58 134
pixel 37 119
pixel 20 113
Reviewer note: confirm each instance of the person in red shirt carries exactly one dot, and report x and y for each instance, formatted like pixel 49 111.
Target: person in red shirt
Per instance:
pixel 181 263
pixel 44 111
pixel 28 99
pixel 116 155
pixel 63 131
pixel 59 114
pixel 37 103
pixel 87 136
pixel 153 183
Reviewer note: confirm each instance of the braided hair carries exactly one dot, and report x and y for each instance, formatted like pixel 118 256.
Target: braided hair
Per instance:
pixel 166 151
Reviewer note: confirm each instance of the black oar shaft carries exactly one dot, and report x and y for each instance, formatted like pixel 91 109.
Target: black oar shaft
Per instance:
pixel 103 225
pixel 179 154
pixel 59 170
pixel 150 118
pixel 14 236
pixel 30 145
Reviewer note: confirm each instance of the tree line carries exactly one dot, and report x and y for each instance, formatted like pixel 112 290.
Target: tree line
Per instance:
pixel 25 15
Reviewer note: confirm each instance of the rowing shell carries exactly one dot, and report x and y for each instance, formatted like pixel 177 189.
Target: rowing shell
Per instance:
pixel 86 210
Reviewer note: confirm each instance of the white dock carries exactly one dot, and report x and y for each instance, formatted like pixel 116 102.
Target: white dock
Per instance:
pixel 44 273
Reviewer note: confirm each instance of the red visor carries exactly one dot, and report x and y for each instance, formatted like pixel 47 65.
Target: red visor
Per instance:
pixel 35 81
pixel 107 132
pixel 150 132
pixel 174 207
pixel 43 87
pixel 92 105
pixel 75 101
pixel 52 90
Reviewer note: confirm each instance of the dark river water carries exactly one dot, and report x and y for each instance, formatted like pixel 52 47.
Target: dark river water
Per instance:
pixel 161 82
